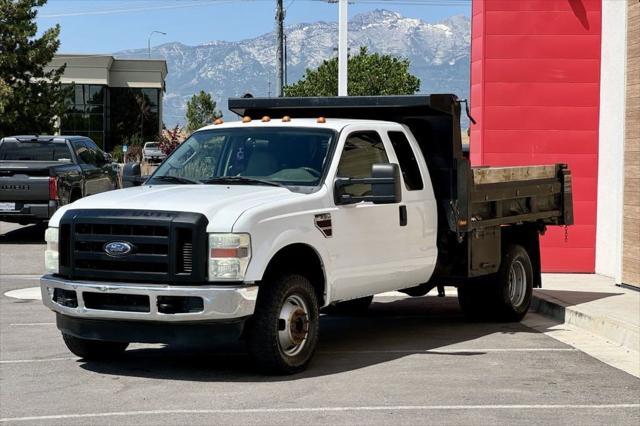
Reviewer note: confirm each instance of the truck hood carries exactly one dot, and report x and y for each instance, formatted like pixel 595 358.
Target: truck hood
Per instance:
pixel 221 204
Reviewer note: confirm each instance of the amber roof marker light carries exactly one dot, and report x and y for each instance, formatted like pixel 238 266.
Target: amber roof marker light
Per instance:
pixel 321 120
pixel 246 119
pixel 286 119
pixel 218 121
pixel 266 119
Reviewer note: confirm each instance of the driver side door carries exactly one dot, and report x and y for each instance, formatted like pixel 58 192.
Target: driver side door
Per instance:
pixel 366 247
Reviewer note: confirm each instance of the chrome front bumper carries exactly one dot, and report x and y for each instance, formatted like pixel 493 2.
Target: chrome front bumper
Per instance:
pixel 219 302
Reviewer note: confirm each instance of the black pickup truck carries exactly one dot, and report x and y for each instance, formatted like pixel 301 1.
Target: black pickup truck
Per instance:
pixel 38 174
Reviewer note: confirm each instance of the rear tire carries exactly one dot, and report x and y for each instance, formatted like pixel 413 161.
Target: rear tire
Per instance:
pixel 504 296
pixel 282 335
pixel 94 350
pixel 514 285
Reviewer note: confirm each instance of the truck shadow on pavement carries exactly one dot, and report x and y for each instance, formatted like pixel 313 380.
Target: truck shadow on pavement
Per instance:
pixel 391 329
pixel 33 234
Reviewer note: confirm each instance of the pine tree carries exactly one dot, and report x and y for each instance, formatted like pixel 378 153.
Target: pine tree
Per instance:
pixel 201 111
pixel 369 74
pixel 31 95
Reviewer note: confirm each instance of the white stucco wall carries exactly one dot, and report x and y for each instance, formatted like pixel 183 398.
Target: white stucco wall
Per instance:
pixel 611 149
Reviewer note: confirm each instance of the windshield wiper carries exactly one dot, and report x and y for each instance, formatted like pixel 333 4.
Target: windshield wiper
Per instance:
pixel 175 179
pixel 239 180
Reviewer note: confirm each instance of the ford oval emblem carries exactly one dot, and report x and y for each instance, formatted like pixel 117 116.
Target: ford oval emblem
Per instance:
pixel 118 248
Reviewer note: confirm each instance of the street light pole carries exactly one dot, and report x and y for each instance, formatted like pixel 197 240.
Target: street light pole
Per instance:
pixel 343 18
pixel 149 40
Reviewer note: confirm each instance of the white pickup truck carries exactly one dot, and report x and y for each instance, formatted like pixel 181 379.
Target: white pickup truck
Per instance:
pixel 251 227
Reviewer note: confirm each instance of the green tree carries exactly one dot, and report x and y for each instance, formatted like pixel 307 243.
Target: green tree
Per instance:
pixel 369 74
pixel 201 110
pixel 31 95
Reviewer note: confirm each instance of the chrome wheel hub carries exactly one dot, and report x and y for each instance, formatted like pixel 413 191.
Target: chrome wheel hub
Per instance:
pixel 517 283
pixel 293 325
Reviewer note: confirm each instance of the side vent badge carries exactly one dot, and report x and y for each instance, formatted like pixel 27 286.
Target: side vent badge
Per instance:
pixel 323 223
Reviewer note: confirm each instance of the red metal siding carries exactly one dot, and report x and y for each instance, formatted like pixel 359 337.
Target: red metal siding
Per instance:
pixel 535 85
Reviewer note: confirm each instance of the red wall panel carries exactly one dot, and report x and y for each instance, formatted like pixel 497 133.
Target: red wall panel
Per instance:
pixel 535 85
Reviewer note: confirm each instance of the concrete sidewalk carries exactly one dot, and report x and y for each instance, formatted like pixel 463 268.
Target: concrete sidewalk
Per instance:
pixel 593 303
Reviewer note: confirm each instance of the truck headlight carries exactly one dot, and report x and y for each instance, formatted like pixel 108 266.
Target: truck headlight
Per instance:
pixel 229 256
pixel 51 253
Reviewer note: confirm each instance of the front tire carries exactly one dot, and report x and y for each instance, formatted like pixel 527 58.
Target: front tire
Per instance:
pixel 94 350
pixel 282 335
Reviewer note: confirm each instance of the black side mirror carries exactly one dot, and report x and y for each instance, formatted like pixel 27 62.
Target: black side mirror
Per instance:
pixel 131 175
pixel 385 186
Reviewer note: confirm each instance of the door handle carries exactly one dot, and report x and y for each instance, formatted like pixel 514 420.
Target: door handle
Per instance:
pixel 403 215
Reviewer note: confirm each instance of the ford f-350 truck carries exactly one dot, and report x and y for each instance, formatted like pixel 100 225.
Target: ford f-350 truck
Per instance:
pixel 251 227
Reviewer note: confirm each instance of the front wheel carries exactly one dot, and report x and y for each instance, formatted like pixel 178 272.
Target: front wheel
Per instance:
pixel 93 350
pixel 283 333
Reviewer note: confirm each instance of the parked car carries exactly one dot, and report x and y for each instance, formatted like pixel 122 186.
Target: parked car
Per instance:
pixel 249 228
pixel 38 174
pixel 151 153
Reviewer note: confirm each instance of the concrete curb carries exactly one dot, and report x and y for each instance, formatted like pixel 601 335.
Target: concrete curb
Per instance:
pixel 621 333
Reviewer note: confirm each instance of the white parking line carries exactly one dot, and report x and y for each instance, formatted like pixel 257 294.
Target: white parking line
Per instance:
pixel 451 351
pixel 324 409
pixel 29 361
pixel 29 324
pixel 389 351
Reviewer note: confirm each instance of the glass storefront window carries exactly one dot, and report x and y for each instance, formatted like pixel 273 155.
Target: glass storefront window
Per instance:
pixel 111 115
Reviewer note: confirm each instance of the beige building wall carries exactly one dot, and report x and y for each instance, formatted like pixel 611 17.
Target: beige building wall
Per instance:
pixel 631 209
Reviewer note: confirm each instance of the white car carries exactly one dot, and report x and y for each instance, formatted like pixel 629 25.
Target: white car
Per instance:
pixel 151 153
pixel 251 227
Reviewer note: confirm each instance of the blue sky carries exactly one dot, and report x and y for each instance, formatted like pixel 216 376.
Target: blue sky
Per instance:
pixel 105 26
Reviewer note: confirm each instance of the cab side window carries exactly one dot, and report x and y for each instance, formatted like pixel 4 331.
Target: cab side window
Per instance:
pixel 361 151
pixel 407 159
pixel 84 154
pixel 98 155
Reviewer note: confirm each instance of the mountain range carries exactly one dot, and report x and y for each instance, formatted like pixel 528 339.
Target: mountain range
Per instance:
pixel 439 54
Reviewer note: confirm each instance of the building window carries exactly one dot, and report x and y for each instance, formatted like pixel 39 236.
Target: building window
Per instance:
pixel 134 112
pixel 85 114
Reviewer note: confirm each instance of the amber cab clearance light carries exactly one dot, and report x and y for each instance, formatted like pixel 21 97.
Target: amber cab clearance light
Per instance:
pixel 286 119
pixel 246 119
pixel 218 121
pixel 321 120
pixel 266 119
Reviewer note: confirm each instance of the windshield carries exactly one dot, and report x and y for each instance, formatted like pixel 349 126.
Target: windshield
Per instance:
pixel 34 151
pixel 151 145
pixel 281 155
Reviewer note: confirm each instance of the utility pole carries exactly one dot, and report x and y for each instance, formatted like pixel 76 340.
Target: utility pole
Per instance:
pixel 286 57
pixel 343 58
pixel 279 45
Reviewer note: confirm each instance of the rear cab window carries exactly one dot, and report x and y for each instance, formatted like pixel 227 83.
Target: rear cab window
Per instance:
pixel 11 150
pixel 407 159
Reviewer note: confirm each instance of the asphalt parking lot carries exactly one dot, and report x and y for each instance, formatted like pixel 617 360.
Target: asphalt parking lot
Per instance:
pixel 408 361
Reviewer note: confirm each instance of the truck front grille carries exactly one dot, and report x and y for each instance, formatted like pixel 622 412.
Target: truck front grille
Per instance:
pixel 163 247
